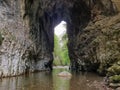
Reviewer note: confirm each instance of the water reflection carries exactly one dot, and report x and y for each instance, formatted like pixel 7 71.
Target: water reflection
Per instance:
pixel 60 83
pixel 36 81
pixel 49 81
pixel 82 81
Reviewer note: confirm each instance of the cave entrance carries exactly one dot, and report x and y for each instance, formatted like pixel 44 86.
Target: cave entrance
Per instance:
pixel 61 57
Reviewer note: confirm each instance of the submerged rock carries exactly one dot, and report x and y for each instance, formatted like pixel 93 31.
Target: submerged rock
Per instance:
pixel 65 74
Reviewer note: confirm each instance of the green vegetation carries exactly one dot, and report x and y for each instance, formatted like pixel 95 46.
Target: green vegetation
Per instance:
pixel 115 79
pixel 59 82
pixel 114 70
pixel 61 51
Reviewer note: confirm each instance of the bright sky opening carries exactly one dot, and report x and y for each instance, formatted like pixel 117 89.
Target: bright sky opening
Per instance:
pixel 60 29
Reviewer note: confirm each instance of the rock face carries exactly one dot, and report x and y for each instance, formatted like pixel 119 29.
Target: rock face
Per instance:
pixel 96 46
pixel 19 53
pixel 27 29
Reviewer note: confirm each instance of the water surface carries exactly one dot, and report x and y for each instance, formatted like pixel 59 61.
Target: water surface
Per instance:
pixel 50 81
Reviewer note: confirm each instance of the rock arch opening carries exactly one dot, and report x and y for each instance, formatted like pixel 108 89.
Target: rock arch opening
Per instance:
pixel 83 19
pixel 61 56
pixel 79 15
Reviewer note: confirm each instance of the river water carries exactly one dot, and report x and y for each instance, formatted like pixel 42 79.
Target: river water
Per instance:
pixel 50 81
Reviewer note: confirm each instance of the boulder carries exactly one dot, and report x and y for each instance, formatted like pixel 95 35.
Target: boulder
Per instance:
pixel 65 74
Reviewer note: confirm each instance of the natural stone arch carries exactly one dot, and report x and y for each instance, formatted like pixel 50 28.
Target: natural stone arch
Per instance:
pixel 42 16
pixel 77 13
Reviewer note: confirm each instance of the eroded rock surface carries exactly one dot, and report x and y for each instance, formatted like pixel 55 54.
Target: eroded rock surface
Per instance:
pixel 18 52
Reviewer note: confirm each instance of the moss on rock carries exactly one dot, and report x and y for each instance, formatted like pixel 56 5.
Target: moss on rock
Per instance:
pixel 114 70
pixel 115 79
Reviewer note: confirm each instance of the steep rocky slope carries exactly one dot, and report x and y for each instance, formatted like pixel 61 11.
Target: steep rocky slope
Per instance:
pixel 18 53
pixel 98 45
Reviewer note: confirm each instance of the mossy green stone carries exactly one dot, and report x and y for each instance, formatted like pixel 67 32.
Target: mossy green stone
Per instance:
pixel 115 79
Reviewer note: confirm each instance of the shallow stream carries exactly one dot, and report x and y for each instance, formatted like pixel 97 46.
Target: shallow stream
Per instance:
pixel 51 81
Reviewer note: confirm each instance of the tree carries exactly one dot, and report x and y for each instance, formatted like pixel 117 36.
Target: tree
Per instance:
pixel 61 52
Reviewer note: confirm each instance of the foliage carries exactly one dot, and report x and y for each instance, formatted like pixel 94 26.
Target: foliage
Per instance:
pixel 61 51
pixel 115 79
pixel 114 70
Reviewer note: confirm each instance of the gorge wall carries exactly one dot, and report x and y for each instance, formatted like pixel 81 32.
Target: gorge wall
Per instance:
pixel 27 34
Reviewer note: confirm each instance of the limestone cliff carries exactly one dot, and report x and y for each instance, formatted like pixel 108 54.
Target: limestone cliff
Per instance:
pixel 95 45
pixel 18 52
